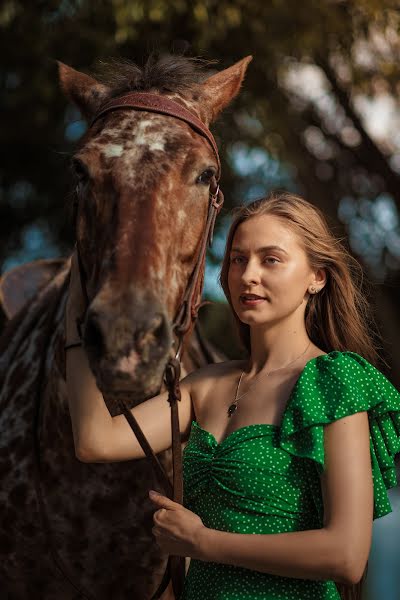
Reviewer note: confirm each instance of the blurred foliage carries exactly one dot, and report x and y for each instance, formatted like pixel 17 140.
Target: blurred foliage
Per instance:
pixel 309 103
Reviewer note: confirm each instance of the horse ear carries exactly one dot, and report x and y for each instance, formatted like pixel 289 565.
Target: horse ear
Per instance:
pixel 84 91
pixel 219 89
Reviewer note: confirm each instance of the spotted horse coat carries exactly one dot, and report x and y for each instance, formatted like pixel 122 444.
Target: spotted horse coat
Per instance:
pixel 100 516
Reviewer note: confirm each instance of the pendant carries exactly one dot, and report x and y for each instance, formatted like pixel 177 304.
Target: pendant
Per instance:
pixel 232 409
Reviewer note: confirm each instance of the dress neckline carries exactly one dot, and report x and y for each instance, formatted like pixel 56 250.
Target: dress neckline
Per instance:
pixel 271 426
pixel 268 426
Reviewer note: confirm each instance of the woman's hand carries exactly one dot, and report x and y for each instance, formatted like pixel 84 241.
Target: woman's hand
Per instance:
pixel 75 306
pixel 177 530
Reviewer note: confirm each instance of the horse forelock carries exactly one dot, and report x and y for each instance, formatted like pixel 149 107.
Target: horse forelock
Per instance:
pixel 174 75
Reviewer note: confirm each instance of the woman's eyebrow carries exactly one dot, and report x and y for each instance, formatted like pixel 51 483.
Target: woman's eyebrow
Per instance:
pixel 261 250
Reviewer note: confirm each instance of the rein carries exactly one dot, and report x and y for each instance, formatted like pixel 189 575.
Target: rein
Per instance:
pixel 184 319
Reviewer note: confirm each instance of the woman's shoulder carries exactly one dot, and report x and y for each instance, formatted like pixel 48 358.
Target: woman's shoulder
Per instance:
pixel 342 364
pixel 339 381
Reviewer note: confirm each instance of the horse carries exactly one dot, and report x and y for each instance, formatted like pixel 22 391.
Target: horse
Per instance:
pixel 71 529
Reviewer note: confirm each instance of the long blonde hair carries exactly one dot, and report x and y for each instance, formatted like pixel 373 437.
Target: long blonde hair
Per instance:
pixel 338 317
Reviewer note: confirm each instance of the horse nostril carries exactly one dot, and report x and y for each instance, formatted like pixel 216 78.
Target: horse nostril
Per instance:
pixel 158 325
pixel 151 340
pixel 93 334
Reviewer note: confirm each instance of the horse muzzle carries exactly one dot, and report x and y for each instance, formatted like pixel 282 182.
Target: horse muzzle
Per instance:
pixel 128 340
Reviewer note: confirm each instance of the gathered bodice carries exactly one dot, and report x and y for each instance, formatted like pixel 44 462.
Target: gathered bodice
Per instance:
pixel 254 483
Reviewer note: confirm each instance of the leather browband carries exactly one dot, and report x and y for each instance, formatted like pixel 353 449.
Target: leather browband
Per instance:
pixel 163 105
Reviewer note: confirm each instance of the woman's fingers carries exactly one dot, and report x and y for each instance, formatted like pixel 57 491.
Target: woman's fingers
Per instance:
pixel 159 513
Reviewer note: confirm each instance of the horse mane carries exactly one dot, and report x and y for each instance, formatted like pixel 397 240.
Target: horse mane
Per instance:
pixel 164 72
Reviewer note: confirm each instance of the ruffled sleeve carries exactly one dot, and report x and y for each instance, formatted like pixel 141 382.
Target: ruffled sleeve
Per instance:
pixel 333 386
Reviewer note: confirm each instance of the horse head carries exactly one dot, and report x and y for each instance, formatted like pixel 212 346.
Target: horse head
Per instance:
pixel 143 182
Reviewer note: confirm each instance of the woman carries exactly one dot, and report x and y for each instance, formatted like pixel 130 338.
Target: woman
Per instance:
pixel 290 451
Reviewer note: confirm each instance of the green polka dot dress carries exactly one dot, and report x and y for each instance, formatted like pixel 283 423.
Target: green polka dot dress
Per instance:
pixel 264 478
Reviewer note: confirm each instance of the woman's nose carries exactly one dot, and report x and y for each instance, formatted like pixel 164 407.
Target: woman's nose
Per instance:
pixel 251 272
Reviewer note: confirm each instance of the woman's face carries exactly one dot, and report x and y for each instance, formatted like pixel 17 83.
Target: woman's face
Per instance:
pixel 267 259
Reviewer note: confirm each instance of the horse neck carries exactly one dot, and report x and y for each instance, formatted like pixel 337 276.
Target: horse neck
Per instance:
pixel 33 336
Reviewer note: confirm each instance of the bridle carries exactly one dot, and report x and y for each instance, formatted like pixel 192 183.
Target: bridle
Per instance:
pixel 184 319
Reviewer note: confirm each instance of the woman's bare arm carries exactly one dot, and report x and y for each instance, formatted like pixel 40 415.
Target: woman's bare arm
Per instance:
pixel 99 437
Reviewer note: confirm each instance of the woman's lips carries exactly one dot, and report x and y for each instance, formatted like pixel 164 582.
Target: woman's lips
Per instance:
pixel 251 301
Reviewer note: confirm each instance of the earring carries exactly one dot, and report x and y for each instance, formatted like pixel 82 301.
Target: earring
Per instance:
pixel 313 290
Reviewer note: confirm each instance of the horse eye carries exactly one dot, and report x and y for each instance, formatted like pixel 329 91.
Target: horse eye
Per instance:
pixel 206 176
pixel 80 170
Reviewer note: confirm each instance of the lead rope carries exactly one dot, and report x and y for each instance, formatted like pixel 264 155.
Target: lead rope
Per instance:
pixel 175 568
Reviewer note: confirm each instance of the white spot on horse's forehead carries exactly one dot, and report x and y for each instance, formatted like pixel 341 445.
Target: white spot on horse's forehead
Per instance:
pixel 112 150
pixel 154 140
pixel 144 137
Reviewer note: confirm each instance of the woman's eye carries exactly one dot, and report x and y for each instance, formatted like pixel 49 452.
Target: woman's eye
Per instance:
pixel 236 259
pixel 272 258
pixel 206 176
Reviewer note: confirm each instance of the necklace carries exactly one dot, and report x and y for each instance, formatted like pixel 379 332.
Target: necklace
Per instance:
pixel 233 406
